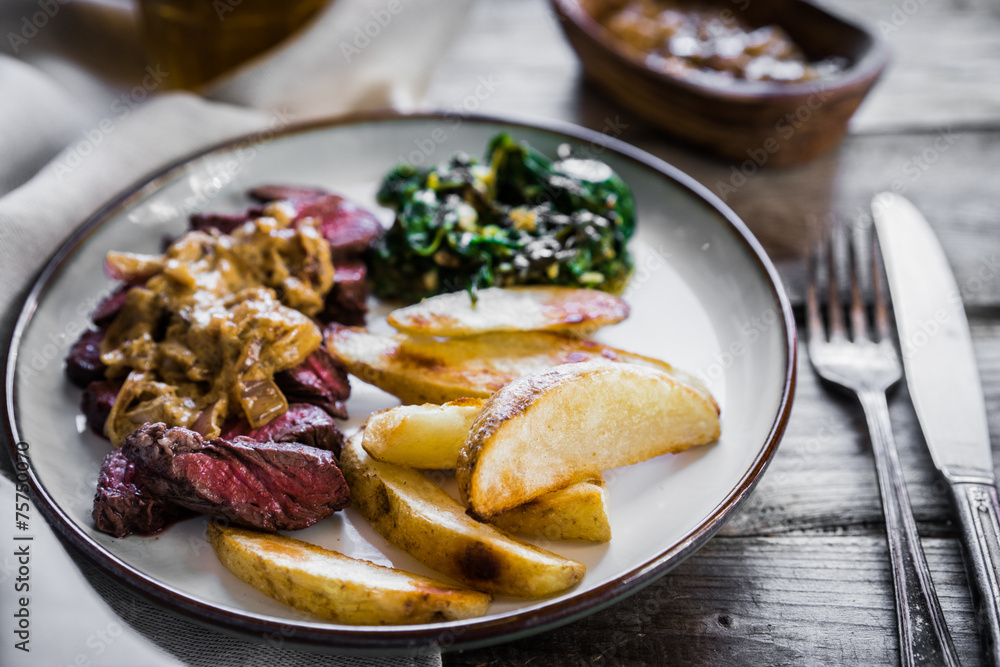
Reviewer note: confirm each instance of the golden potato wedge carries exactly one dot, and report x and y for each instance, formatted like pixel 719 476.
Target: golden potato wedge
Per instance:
pixel 547 430
pixel 417 516
pixel 421 436
pixel 527 308
pixel 424 370
pixel 430 437
pixel 578 512
pixel 336 587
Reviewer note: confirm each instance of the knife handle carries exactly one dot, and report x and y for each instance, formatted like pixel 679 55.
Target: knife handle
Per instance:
pixel 980 516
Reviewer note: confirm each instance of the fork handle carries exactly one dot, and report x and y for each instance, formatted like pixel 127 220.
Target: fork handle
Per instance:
pixel 980 516
pixel 923 634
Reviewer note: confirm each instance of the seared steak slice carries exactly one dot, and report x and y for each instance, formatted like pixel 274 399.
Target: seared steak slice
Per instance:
pixel 319 380
pixel 226 223
pixel 83 363
pixel 96 403
pixel 268 193
pixel 347 227
pixel 123 506
pixel 347 302
pixel 304 423
pixel 109 306
pixel 265 485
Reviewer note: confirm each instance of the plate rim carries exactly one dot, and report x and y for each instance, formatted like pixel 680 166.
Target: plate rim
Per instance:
pixel 387 640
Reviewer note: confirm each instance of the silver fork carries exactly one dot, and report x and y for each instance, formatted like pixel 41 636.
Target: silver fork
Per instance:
pixel 869 367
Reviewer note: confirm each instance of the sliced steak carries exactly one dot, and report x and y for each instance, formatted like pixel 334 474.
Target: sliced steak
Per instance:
pixel 226 223
pixel 269 193
pixel 320 380
pixel 269 486
pixel 96 403
pixel 83 363
pixel 123 506
pixel 347 301
pixel 109 306
pixel 347 227
pixel 304 423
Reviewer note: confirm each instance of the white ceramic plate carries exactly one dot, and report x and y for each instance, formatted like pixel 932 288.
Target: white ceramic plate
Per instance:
pixel 704 297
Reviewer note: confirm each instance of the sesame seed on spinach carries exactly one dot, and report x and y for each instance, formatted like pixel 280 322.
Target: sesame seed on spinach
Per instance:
pixel 515 218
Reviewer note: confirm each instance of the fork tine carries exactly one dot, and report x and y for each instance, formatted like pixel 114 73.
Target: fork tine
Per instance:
pixel 835 312
pixel 814 319
pixel 881 308
pixel 859 314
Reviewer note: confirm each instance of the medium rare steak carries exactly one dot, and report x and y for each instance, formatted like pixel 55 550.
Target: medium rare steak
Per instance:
pixel 83 363
pixel 349 230
pixel 304 423
pixel 320 380
pixel 274 192
pixel 109 306
pixel 123 505
pixel 347 227
pixel 266 485
pixel 347 301
pixel 226 223
pixel 96 403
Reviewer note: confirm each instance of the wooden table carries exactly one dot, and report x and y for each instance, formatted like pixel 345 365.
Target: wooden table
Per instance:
pixel 801 575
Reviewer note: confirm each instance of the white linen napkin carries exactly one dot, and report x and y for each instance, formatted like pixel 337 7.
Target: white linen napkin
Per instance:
pixel 83 116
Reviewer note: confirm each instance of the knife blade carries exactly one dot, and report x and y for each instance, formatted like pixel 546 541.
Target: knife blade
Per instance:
pixel 943 382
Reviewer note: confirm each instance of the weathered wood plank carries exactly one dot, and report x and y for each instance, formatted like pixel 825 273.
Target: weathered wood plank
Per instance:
pixel 803 600
pixel 519 45
pixel 942 173
pixel 823 476
pixel 945 70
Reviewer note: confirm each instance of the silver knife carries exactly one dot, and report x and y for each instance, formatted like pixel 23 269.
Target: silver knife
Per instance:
pixel 944 386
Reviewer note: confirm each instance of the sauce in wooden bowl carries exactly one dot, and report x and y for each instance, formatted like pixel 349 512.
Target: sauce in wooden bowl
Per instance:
pixel 710 42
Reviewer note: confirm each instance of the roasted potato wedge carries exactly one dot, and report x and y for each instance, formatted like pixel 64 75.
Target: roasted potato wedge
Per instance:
pixel 425 436
pixel 430 437
pixel 547 430
pixel 578 512
pixel 423 370
pixel 530 308
pixel 417 516
pixel 336 587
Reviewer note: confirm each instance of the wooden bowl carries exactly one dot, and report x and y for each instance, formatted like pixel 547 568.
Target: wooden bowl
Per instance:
pixel 769 123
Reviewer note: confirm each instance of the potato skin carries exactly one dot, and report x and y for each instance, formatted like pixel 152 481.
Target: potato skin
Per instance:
pixel 415 515
pixel 522 308
pixel 578 512
pixel 427 436
pixel 547 430
pixel 430 437
pixel 336 587
pixel 422 370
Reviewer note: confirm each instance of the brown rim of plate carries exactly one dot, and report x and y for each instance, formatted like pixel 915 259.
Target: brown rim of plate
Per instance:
pixel 388 640
pixel 869 66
